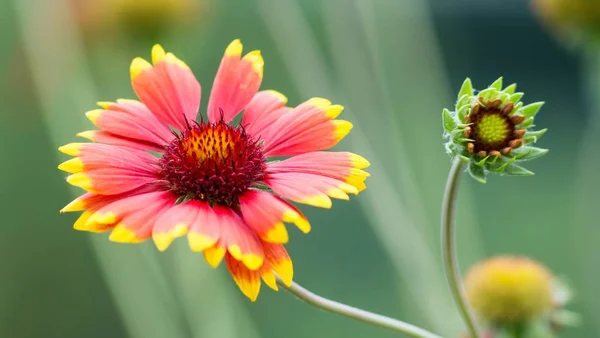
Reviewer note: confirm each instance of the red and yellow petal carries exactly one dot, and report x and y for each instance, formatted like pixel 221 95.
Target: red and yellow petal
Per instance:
pixel 109 181
pixel 92 156
pixel 102 136
pixel 167 87
pixel 311 126
pixel 92 203
pixel 83 224
pixel 264 109
pixel 237 81
pixel 130 215
pixel 237 238
pixel 106 169
pixel 214 255
pixel 279 261
pixel 343 166
pixel 131 120
pixel 173 223
pixel 309 189
pixel 205 230
pixel 247 280
pixel 265 213
pixel 135 225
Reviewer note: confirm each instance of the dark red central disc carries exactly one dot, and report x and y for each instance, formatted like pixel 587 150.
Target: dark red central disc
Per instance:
pixel 213 162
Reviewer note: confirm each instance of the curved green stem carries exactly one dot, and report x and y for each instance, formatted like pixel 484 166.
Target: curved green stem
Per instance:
pixel 449 249
pixel 355 313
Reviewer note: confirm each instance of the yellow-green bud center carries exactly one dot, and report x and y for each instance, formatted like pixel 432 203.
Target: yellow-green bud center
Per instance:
pixel 493 129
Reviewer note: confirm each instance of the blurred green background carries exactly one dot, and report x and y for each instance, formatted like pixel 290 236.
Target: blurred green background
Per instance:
pixel 394 64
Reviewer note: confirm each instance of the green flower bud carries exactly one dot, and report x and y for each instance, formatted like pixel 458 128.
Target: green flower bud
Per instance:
pixel 491 130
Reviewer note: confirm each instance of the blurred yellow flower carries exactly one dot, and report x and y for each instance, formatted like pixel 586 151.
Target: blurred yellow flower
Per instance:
pixel 136 16
pixel 570 18
pixel 509 289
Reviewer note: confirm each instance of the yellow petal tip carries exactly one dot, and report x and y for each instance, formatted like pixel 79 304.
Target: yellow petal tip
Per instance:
pixel 93 115
pixel 234 48
pixel 214 255
pixel 104 104
pixel 162 240
pixel 75 205
pixel 256 59
pixel 321 201
pixel 138 66
pixel 359 162
pixel 235 251
pixel 285 270
pixel 319 102
pixel 121 234
pixel 269 278
pixel 158 53
pixel 80 180
pixel 291 216
pixel 253 262
pixel 342 128
pixel 277 234
pixel 88 134
pixel 71 149
pixel 72 166
pixel 198 242
pixel 278 95
pixel 334 111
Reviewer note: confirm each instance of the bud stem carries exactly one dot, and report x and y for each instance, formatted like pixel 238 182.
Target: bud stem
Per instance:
pixel 355 313
pixel 449 249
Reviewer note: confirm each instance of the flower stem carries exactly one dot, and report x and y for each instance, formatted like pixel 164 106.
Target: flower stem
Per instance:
pixel 448 246
pixel 355 313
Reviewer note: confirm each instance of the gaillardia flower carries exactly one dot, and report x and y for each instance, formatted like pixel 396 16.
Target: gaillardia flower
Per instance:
pixel 507 290
pixel 491 131
pixel 155 171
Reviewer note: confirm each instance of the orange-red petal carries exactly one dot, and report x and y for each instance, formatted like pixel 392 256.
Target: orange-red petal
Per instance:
pixel 266 107
pixel 92 156
pixel 135 225
pixel 343 166
pixel 102 136
pixel 237 81
pixel 238 239
pixel 247 280
pixel 279 261
pixel 205 230
pixel 309 189
pixel 167 87
pixel 265 213
pixel 311 126
pixel 132 120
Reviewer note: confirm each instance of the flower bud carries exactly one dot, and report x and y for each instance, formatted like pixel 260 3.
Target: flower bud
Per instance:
pixel 507 290
pixel 490 130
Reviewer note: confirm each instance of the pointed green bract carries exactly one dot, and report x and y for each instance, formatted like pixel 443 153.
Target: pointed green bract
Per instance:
pixel 528 153
pixel 449 122
pixel 465 89
pixel 497 84
pixel 516 97
pixel 482 149
pixel 531 109
pixel 517 170
pixel 510 89
pixel 476 172
pixel 533 136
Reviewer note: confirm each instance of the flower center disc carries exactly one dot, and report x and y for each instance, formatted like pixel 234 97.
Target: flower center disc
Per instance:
pixel 213 162
pixel 492 130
